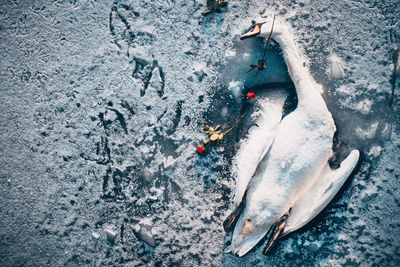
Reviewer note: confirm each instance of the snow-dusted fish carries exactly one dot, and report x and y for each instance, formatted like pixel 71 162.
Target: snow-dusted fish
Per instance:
pixel 288 180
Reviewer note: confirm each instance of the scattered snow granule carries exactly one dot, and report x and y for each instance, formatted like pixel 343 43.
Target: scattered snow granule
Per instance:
pixel 156 193
pixel 148 174
pixel 375 151
pixel 230 53
pixel 386 131
pixel 224 111
pixel 236 88
pixel 169 162
pixel 111 235
pixel 336 67
pixel 368 133
pixel 365 106
pixel 95 235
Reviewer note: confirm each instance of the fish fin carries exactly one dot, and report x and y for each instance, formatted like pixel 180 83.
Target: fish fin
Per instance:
pixel 318 196
pixel 276 231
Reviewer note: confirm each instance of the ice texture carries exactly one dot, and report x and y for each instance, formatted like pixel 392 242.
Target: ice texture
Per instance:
pixel 103 104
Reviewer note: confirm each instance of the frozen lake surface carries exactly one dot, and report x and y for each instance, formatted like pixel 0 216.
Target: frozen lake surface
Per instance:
pixel 103 105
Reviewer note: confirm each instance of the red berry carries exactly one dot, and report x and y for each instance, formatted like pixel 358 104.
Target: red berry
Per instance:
pixel 201 149
pixel 251 95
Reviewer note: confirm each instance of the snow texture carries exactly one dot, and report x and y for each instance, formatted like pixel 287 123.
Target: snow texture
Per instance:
pixel 103 104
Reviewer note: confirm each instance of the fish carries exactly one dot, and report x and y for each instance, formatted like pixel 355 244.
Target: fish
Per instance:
pixel 284 177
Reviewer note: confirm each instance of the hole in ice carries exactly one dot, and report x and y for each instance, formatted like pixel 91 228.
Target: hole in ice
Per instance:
pixel 228 104
pixel 235 81
pixel 247 52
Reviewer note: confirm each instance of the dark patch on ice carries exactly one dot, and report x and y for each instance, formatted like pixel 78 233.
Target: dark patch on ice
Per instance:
pixel 177 118
pixel 144 71
pixel 160 91
pixel 114 10
pixel 121 119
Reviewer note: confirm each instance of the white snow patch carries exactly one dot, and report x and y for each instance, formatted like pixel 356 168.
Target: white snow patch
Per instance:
pixel 375 151
pixel 145 231
pixel 95 235
pixel 230 53
pixel 364 106
pixel 336 67
pixel 157 193
pixel 169 162
pixel 386 131
pixel 148 174
pixel 236 88
pixel 367 133
pixel 224 111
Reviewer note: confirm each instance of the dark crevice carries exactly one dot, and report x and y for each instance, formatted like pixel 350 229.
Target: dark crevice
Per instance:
pixel 126 105
pixel 106 178
pixel 121 119
pixel 177 119
pixel 128 27
pixel 161 90
pixel 128 8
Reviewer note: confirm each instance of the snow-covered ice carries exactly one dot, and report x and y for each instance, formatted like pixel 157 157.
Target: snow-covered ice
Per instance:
pixel 103 104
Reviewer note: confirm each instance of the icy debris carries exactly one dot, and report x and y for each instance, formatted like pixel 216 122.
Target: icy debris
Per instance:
pixel 199 71
pixel 95 236
pixel 348 93
pixel 312 246
pixel 375 151
pixel 169 163
pixel 236 88
pixel 364 106
pixel 342 90
pixel 141 55
pixel 111 235
pixel 110 116
pixel 148 28
pixel 156 80
pixel 144 231
pixel 230 53
pixel 336 67
pixel 224 111
pixel 200 74
pixel 157 193
pixel 386 131
pixel 295 247
pixel 367 133
pixel 148 174
pixel 147 152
